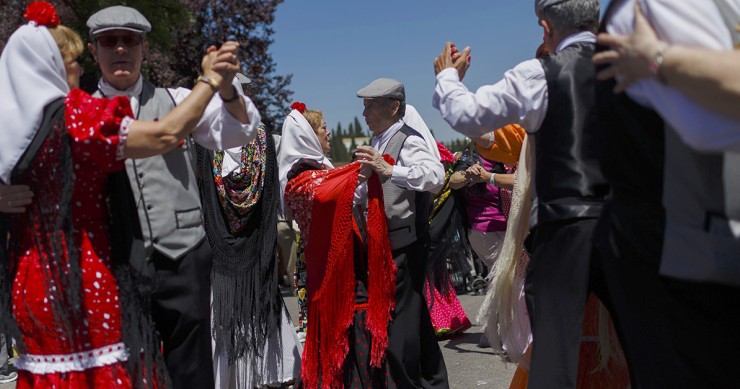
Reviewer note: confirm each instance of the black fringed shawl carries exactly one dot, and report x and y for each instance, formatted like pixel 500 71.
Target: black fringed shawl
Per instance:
pixel 246 299
pixel 52 208
pixel 449 249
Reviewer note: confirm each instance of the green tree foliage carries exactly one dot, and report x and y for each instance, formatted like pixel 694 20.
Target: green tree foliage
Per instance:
pixel 358 128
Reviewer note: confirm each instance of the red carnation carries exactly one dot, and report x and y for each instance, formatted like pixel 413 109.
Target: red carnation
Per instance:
pixel 298 106
pixel 445 155
pixel 42 13
pixel 389 159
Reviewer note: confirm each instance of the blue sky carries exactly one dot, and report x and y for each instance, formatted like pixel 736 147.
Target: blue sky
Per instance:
pixel 333 48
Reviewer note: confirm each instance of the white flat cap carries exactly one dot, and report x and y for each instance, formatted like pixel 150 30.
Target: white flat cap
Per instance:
pixel 118 17
pixel 539 5
pixel 383 87
pixel 243 80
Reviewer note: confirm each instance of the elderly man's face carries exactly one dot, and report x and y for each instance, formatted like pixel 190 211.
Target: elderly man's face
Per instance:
pixel 379 114
pixel 119 54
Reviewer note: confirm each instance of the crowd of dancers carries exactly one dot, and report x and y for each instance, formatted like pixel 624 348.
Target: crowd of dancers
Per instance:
pixel 140 224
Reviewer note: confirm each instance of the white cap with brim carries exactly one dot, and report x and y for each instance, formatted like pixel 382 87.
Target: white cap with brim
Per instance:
pixel 118 18
pixel 383 87
pixel 242 79
pixel 539 5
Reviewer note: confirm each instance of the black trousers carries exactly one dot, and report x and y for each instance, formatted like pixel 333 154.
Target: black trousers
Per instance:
pixel 675 334
pixel 559 278
pixel 413 355
pixel 182 312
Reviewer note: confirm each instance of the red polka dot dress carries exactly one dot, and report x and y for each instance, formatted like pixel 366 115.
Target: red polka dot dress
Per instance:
pixel 88 352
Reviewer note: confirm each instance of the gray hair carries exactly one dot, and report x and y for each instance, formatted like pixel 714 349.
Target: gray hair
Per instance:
pixel 573 16
pixel 401 106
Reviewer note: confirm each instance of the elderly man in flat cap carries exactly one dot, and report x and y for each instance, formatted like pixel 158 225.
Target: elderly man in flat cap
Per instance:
pixel 553 99
pixel 166 190
pixel 413 354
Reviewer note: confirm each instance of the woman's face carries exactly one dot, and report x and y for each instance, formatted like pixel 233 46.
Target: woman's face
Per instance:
pixel 323 134
pixel 74 71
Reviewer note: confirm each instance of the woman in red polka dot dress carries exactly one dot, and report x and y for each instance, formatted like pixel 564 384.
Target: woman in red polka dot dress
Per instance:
pixel 64 272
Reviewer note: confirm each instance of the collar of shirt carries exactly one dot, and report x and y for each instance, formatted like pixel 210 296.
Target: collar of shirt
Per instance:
pixel 132 93
pixel 583 36
pixel 381 141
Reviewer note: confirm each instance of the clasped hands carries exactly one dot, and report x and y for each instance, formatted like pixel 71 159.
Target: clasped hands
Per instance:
pixel 221 65
pixel 451 57
pixel 476 174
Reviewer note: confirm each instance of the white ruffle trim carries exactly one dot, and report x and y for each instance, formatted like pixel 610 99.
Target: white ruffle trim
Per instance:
pixel 122 136
pixel 64 363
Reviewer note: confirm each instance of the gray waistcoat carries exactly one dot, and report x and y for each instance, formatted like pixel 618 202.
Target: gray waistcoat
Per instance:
pixel 406 210
pixel 165 187
pixel 702 197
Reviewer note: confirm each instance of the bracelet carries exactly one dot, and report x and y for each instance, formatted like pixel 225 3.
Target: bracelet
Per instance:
pixel 656 62
pixel 490 141
pixel 231 100
pixel 209 81
pixel 492 180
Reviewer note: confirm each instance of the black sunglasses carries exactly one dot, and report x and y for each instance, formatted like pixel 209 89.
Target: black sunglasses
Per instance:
pixel 109 41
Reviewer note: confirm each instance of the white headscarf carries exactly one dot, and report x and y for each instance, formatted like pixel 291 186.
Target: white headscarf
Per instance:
pixel 298 141
pixel 414 120
pixel 32 75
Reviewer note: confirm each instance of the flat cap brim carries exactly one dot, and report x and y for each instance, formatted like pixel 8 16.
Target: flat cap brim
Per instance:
pixel 118 18
pixel 383 88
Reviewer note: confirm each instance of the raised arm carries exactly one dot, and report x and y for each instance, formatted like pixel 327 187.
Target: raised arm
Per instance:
pixel 146 139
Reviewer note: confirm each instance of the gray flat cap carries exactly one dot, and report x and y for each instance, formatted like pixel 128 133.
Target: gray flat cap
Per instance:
pixel 383 87
pixel 243 80
pixel 118 17
pixel 539 5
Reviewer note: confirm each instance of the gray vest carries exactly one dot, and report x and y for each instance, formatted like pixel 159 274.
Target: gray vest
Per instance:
pixel 165 187
pixel 702 200
pixel 406 210
pixel 702 197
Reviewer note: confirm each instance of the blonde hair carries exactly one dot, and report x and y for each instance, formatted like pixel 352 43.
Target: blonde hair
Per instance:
pixel 69 42
pixel 314 118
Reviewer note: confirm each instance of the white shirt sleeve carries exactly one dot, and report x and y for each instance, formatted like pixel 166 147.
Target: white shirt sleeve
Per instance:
pixel 520 97
pixel 693 23
pixel 217 129
pixel 417 168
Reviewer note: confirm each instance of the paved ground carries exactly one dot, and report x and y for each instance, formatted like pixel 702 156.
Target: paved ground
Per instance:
pixel 468 366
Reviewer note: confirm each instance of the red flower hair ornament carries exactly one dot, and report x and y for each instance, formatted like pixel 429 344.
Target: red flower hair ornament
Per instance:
pixel 41 13
pixel 445 154
pixel 298 106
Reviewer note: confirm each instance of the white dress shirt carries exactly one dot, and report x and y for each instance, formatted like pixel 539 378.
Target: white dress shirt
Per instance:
pixel 216 129
pixel 520 97
pixel 693 23
pixel 416 168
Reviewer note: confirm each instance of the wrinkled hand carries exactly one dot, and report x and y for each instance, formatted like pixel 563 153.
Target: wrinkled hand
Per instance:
pixel 452 58
pixel 631 55
pixel 368 156
pixel 14 198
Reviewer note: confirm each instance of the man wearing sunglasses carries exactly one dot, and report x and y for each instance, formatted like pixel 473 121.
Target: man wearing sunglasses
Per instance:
pixel 166 190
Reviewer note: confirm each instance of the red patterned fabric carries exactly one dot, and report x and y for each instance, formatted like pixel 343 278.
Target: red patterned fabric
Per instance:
pixel 93 355
pixel 321 203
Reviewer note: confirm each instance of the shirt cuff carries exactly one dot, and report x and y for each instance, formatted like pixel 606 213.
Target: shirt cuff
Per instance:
pixel 399 175
pixel 123 130
pixel 449 74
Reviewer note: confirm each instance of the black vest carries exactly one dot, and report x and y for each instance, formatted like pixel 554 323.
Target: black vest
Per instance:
pixel 568 179
pixel 633 143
